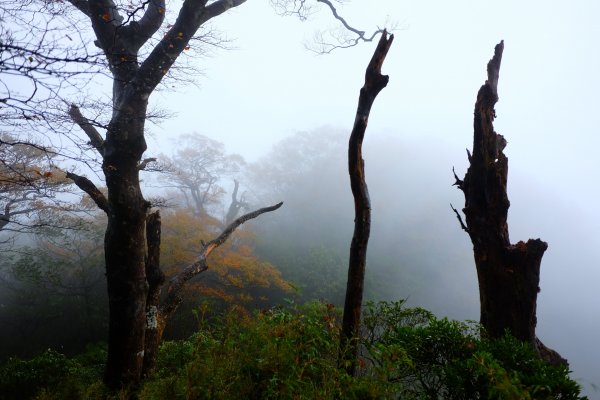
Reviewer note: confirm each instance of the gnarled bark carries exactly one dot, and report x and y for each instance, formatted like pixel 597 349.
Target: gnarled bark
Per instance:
pixel 374 83
pixel 508 274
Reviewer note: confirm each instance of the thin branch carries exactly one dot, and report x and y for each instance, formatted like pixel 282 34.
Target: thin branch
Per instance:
pixel 327 48
pixel 460 220
pixel 458 182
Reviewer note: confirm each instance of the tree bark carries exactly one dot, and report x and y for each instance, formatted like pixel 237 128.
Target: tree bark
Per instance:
pixel 125 246
pixel 508 274
pixel 155 324
pixel 374 83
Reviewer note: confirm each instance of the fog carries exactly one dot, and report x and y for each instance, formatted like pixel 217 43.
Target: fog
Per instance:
pixel 417 249
pixel 270 87
pixel 268 95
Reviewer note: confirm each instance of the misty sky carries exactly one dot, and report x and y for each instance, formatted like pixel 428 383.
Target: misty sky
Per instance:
pixel 270 86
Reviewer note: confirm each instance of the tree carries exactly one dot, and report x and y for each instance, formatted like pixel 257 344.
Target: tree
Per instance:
pixel 137 55
pixel 508 274
pixel 197 169
pixel 374 83
pixel 29 184
pixel 53 290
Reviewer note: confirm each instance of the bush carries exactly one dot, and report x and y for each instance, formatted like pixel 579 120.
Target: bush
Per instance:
pixel 52 375
pixel 292 353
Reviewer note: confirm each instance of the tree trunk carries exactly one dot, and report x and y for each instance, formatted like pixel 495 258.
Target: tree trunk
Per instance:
pixel 155 324
pixel 374 83
pixel 125 244
pixel 508 274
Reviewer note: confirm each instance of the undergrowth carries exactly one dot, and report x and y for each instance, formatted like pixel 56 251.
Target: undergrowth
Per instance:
pixel 291 353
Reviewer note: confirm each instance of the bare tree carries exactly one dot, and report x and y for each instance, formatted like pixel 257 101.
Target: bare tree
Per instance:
pixel 30 184
pixel 374 83
pixel 509 274
pixel 196 170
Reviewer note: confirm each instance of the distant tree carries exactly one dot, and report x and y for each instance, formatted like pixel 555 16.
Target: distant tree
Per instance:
pixel 30 184
pixel 197 170
pixel 509 274
pixel 53 289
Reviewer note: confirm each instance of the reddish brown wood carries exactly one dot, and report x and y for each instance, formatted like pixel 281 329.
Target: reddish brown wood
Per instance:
pixel 508 274
pixel 374 83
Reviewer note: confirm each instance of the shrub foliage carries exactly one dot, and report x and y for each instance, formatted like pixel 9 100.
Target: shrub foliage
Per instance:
pixel 292 353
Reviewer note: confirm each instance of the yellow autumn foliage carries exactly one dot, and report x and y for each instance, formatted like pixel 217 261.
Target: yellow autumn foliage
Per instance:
pixel 235 274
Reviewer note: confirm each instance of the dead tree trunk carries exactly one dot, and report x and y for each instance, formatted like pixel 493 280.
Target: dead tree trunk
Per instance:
pixel 159 312
pixel 508 275
pixel 374 83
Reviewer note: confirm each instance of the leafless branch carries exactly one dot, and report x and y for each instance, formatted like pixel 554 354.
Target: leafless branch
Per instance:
pixel 460 220
pixel 176 283
pixel 96 139
pixel 88 186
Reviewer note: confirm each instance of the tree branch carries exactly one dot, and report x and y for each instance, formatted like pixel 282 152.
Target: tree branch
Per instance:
pixel 460 220
pixel 145 163
pixel 148 25
pixel 87 186
pixel 360 35
pixel 105 21
pixel 176 283
pixel 96 139
pixel 192 15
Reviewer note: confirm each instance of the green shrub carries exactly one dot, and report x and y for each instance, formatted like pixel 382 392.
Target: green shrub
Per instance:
pixel 292 353
pixel 52 375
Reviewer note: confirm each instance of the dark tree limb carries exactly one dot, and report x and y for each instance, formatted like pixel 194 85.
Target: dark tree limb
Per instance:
pixel 92 133
pixel 508 274
pixel 460 220
pixel 192 15
pixel 177 282
pixel 142 30
pixel 374 83
pixel 142 165
pixel 88 186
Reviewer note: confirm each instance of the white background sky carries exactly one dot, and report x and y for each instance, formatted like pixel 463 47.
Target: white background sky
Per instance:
pixel 270 86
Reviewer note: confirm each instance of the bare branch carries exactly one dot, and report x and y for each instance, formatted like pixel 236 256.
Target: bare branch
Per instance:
pixel 344 41
pixel 458 182
pixel 176 283
pixel 88 186
pixel 460 220
pixel 148 25
pixel 96 139
pixel 192 15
